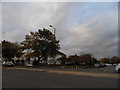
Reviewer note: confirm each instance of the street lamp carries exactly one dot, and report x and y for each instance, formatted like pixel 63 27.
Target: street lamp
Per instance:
pixel 54 36
pixel 54 29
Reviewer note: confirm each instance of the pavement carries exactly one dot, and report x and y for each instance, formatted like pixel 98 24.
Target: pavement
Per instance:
pixel 17 77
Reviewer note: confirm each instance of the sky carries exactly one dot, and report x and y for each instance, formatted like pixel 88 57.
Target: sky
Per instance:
pixel 81 27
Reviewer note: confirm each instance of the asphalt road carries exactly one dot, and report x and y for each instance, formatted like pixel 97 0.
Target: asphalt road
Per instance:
pixel 37 79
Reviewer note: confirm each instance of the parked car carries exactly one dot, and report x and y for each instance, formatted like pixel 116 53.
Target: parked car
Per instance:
pixel 107 64
pixel 118 68
pixel 98 65
pixel 8 64
pixel 114 64
pixel 28 65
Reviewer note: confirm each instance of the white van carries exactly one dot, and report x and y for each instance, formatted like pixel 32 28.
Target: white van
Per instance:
pixel 118 68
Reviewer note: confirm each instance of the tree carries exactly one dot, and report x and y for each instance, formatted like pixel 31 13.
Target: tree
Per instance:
pixel 0 49
pixel 87 59
pixel 95 60
pixel 73 59
pixel 9 50
pixel 62 60
pixel 84 59
pixel 104 60
pixel 18 49
pixel 43 43
pixel 115 60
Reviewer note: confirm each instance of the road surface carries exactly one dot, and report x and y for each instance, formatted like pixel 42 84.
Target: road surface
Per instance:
pixel 12 78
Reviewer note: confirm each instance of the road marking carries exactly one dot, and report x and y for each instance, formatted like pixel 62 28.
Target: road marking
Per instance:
pixel 70 72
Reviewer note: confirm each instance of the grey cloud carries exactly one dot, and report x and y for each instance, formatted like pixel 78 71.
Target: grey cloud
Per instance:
pixel 0 21
pixel 32 16
pixel 97 34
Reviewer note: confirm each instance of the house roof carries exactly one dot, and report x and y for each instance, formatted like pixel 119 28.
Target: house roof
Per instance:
pixel 32 54
pixel 61 53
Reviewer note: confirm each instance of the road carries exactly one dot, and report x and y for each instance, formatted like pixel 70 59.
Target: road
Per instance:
pixel 12 78
pixel 107 69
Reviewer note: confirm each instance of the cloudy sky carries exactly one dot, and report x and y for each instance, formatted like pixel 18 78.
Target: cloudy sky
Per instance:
pixel 81 27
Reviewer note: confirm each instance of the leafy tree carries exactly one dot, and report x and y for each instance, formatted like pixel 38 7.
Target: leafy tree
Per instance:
pixel 9 50
pixel 112 60
pixel 95 60
pixel 0 50
pixel 86 58
pixel 18 49
pixel 104 60
pixel 62 60
pixel 43 43
pixel 115 60
pixel 73 59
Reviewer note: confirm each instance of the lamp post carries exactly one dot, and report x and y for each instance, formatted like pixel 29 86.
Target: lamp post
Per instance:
pixel 54 37
pixel 54 29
